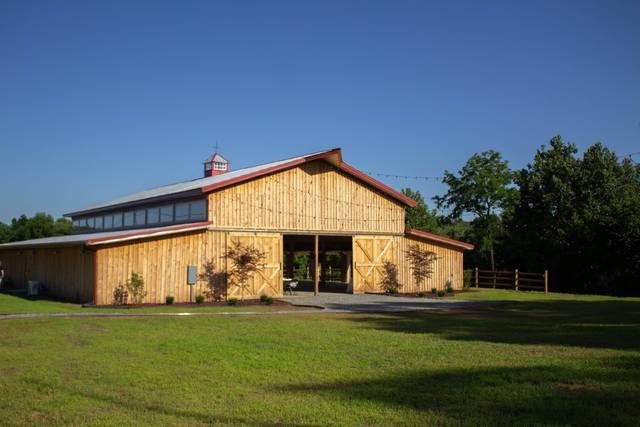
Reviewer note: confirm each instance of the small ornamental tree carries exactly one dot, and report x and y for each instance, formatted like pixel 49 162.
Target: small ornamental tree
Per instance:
pixel 120 295
pixel 389 281
pixel 421 262
pixel 245 261
pixel 135 288
pixel 216 282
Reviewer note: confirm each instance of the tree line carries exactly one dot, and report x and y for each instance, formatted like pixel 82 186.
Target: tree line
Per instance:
pixel 576 216
pixel 38 226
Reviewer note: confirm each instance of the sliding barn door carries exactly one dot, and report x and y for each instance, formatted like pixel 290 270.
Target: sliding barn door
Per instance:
pixel 269 279
pixel 369 256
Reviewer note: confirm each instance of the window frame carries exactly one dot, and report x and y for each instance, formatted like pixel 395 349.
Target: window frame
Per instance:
pixel 128 219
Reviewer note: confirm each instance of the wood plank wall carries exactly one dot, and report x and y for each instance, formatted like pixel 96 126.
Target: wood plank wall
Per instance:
pixel 161 261
pixel 312 197
pixel 448 266
pixel 65 272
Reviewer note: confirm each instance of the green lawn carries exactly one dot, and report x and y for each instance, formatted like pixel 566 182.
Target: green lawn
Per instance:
pixel 508 295
pixel 547 360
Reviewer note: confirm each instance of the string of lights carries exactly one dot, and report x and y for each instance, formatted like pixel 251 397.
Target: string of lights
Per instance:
pixel 398 176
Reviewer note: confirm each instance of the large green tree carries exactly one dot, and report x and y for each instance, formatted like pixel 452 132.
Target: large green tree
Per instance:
pixel 483 189
pixel 579 218
pixel 420 217
pixel 5 233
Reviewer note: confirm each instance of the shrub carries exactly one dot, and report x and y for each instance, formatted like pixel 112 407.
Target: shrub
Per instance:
pixel 232 301
pixel 264 298
pixel 199 299
pixel 441 294
pixel 434 290
pixel 135 287
pixel 392 291
pixel 468 274
pixel 268 300
pixel 423 294
pixel 169 300
pixel 120 295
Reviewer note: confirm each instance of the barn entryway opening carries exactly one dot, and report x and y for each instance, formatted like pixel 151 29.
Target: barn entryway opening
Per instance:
pixel 328 256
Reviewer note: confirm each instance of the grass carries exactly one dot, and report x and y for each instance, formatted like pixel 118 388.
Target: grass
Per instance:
pixel 547 360
pixel 509 295
pixel 16 304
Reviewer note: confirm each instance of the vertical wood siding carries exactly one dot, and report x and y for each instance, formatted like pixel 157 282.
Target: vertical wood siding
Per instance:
pixel 65 272
pixel 448 266
pixel 163 262
pixel 370 253
pixel 312 197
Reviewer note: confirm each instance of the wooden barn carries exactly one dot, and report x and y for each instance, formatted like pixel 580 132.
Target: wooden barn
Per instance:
pixel 312 208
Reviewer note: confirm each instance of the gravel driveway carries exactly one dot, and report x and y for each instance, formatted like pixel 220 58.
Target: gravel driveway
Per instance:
pixel 379 303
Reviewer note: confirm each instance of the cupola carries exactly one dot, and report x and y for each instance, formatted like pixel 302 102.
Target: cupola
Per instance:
pixel 215 165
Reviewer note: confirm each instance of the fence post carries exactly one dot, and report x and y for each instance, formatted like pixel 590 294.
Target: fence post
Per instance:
pixel 517 279
pixel 546 281
pixel 476 277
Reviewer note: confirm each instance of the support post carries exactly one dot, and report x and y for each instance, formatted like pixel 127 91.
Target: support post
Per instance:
pixel 344 267
pixel 316 270
pixel 516 279
pixel 546 281
pixel 476 277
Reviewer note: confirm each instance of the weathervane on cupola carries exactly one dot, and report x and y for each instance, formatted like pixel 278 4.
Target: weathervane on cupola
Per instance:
pixel 216 164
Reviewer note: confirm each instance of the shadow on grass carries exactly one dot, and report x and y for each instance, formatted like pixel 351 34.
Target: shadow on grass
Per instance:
pixel 601 324
pixel 606 393
pixel 21 293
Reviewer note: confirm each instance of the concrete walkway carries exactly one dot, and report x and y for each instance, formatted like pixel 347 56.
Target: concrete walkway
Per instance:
pixel 373 303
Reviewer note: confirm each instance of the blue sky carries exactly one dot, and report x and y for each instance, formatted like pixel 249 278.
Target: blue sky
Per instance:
pixel 101 99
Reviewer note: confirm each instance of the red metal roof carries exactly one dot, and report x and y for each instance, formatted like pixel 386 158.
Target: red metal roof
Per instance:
pixel 334 157
pixel 140 234
pixel 438 238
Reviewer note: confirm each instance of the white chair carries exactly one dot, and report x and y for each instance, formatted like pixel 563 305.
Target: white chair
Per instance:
pixel 291 286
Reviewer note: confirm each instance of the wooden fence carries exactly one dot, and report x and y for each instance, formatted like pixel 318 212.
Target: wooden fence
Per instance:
pixel 511 279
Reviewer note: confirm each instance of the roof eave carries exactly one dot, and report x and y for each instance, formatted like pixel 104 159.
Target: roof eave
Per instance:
pixel 440 239
pixel 149 233
pixel 19 245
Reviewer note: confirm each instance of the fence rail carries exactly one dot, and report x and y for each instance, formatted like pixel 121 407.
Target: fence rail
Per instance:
pixel 511 279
